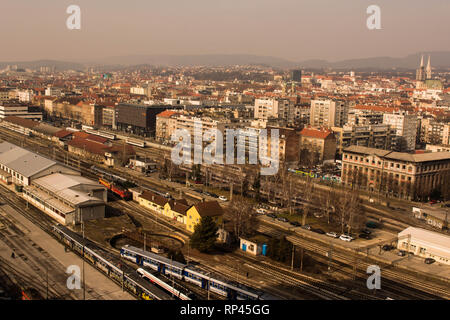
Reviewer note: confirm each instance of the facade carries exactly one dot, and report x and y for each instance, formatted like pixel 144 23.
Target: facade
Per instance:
pixel 281 109
pixel 176 210
pixel 405 126
pixel 202 209
pixel 69 199
pixel 137 119
pixel 152 201
pixel 296 75
pixel 166 124
pixel 402 174
pixel 320 140
pixel 379 136
pixel 329 113
pixel 109 117
pixel 434 132
pixel 51 91
pixel 364 117
pixel 20 110
pixel 425 244
pixel 255 245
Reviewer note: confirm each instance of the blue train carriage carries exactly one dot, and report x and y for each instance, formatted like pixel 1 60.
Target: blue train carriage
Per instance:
pixel 153 261
pixel 195 276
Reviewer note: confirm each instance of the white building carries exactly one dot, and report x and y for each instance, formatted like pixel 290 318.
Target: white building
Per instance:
pixel 426 244
pixel 20 166
pixel 329 113
pixel 69 199
pixel 51 91
pixel 25 95
pixel 405 126
pixel 283 109
pixel 20 110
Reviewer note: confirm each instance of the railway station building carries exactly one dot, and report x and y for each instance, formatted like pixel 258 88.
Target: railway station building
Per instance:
pixel 69 199
pixel 20 166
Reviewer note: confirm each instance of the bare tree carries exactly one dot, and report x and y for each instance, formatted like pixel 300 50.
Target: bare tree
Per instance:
pixel 307 197
pixel 242 216
pixel 350 211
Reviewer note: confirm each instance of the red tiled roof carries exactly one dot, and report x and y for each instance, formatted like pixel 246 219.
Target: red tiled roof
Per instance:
pixel 89 146
pixel 63 133
pixel 315 133
pixel 166 114
pixel 97 139
pixel 209 208
pixel 153 197
pixel 80 135
pixel 26 123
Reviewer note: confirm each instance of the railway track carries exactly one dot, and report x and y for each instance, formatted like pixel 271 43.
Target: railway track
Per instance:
pixel 395 281
pixel 86 168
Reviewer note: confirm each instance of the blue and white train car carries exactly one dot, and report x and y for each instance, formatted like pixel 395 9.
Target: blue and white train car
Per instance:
pixel 153 261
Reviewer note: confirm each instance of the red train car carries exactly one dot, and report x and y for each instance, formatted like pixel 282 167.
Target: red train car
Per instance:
pixel 116 189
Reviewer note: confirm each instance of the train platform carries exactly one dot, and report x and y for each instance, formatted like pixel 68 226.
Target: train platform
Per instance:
pixel 98 286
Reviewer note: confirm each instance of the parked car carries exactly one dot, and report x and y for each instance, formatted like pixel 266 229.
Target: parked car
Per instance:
pixel 207 193
pixel 429 260
pixel 318 214
pixel 261 211
pixel 371 225
pixel 365 236
pixel 320 231
pixel 345 237
pixel 307 227
pixel 332 234
pixel 282 219
pixel 214 195
pixel 223 198
pixel 295 223
pixel 270 215
pixel 402 253
pixel 366 231
pixel 387 247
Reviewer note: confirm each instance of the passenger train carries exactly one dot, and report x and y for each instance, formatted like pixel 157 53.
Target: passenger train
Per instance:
pixel 109 265
pixel 192 274
pixel 138 143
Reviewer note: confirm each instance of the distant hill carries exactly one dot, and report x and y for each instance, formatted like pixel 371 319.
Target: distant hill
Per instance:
pixel 59 65
pixel 199 60
pixel 439 59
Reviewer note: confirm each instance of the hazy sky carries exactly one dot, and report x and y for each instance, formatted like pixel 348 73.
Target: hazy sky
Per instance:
pixel 291 29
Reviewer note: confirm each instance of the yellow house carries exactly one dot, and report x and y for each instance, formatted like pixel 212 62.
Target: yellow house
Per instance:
pixel 152 201
pixel 202 209
pixel 176 209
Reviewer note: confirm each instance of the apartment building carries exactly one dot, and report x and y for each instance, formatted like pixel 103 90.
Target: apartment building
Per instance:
pixel 109 117
pixel 283 109
pixel 166 123
pixel 364 117
pixel 405 126
pixel 379 136
pixel 434 132
pixel 329 113
pixel 319 140
pixel 402 174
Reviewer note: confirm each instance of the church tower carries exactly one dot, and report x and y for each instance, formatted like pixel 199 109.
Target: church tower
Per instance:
pixel 420 73
pixel 429 68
